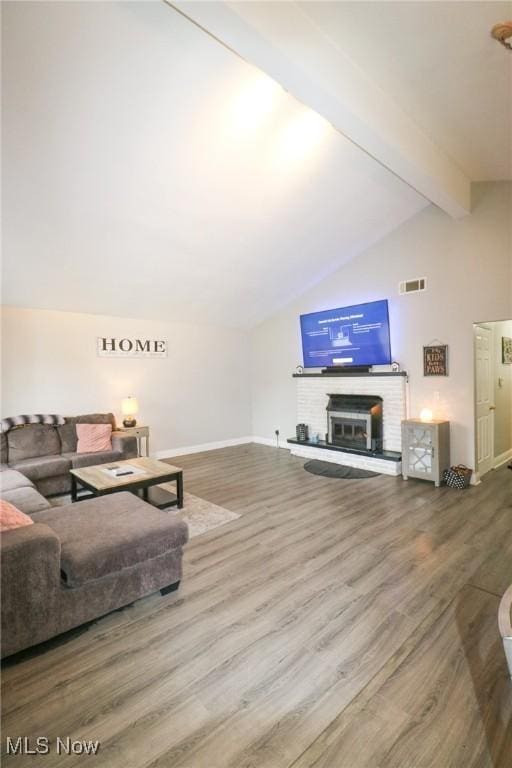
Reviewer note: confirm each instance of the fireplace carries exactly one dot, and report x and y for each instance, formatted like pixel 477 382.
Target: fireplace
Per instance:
pixel 355 421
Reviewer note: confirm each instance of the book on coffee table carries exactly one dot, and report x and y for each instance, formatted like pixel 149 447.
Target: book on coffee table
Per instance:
pixel 122 470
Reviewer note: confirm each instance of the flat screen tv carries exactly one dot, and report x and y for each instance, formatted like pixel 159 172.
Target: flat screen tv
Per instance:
pixel 347 336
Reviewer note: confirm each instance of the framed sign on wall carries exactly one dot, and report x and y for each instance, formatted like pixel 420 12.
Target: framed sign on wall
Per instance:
pixel 111 346
pixel 435 360
pixel 506 350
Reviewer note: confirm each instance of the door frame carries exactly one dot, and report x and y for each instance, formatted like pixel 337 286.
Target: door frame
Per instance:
pixel 488 326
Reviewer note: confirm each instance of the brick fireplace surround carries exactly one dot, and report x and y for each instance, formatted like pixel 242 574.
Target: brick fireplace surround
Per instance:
pixel 312 398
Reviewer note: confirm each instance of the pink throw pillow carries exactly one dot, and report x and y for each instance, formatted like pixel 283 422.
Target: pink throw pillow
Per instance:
pixel 12 517
pixel 93 438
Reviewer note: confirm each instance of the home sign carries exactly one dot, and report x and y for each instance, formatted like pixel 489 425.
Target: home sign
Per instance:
pixel 111 346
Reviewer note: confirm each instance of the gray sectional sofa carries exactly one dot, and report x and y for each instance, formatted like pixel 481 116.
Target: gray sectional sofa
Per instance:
pixel 78 561
pixel 45 453
pixel 81 561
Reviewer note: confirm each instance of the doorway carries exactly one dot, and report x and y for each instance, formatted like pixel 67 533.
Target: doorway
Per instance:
pixel 493 395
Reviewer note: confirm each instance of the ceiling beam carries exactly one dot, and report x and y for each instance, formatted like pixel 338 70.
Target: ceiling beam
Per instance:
pixel 281 40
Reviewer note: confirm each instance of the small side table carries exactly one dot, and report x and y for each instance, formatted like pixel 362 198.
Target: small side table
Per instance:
pixel 139 433
pixel 425 449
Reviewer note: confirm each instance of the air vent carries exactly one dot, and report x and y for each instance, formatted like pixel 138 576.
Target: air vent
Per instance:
pixel 413 286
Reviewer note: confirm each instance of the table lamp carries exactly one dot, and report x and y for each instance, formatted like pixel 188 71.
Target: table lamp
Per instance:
pixel 426 414
pixel 129 409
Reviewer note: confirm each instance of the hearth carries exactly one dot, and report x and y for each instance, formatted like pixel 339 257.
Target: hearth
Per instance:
pixel 355 421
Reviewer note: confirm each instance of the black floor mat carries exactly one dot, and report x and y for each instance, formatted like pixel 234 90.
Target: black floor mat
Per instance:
pixel 328 469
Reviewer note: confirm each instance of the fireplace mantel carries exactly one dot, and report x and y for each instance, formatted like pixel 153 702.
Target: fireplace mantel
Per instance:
pixel 343 374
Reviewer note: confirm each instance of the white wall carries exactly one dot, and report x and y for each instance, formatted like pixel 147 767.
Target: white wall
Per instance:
pixel 468 265
pixel 202 392
pixel 503 393
pixel 199 394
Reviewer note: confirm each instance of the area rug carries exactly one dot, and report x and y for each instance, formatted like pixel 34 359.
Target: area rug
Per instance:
pixel 328 469
pixel 200 515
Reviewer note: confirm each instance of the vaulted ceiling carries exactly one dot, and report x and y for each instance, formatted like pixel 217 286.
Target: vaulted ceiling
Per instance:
pixel 439 62
pixel 150 171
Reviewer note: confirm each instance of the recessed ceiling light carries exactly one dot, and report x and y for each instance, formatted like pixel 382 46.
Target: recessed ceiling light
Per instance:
pixel 502 32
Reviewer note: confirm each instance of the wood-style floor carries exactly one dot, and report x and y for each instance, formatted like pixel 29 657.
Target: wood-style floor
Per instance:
pixel 336 624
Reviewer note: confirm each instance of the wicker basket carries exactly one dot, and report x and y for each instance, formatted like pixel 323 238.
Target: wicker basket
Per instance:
pixel 457 477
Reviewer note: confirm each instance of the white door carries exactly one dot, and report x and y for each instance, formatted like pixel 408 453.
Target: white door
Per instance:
pixel 484 399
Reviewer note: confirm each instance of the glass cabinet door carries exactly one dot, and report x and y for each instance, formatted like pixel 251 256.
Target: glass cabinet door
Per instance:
pixel 420 450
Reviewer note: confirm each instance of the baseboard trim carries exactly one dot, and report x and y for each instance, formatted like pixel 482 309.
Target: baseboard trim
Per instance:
pixel 270 442
pixel 168 453
pixel 502 459
pixel 499 461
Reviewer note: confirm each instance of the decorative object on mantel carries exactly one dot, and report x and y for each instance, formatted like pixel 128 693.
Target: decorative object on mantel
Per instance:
pixel 129 409
pixel 395 367
pixel 435 359
pixel 299 369
pixel 302 432
pixel 506 350
pixel 426 415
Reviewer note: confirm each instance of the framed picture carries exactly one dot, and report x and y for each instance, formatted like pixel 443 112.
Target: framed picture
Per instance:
pixel 435 360
pixel 506 350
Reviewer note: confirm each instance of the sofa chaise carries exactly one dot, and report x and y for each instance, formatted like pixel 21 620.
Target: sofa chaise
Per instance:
pixel 76 562
pixel 81 561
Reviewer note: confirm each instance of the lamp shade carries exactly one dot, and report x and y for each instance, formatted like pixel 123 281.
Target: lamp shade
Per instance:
pixel 426 414
pixel 129 406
